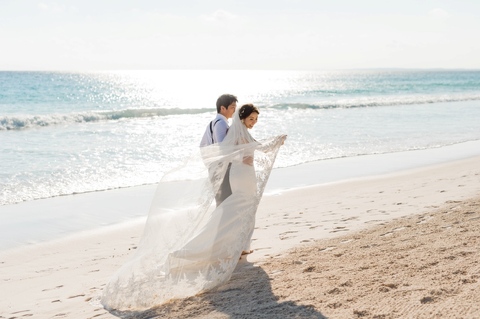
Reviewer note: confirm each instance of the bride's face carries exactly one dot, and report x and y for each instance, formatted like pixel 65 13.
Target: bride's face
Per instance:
pixel 251 120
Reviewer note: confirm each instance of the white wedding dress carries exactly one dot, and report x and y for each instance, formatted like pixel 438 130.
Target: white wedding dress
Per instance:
pixel 190 246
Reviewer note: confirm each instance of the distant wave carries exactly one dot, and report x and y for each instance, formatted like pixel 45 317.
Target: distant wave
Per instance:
pixel 19 122
pixel 373 102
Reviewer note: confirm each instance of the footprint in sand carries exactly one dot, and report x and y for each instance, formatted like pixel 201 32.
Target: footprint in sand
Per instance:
pixel 277 224
pixel 17 312
pixel 295 217
pixel 423 219
pixel 349 218
pixel 391 232
pixel 57 287
pixel 387 287
pixel 373 221
pixel 285 234
pixel 339 228
pixel 335 291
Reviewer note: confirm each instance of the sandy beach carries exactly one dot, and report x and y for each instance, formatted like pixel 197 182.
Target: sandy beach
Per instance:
pixel 357 122
pixel 401 245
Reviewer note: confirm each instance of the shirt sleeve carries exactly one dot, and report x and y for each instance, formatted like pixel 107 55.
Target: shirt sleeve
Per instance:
pixel 206 138
pixel 220 131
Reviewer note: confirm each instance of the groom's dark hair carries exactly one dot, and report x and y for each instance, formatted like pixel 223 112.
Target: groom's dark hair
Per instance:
pixel 225 100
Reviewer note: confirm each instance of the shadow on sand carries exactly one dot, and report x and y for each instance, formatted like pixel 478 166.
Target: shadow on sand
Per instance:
pixel 248 294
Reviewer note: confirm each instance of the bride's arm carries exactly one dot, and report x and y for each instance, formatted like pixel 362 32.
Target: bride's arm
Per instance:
pixel 248 160
pixel 274 143
pixel 271 145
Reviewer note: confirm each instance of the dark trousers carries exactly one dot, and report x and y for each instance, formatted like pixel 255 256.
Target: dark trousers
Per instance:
pixel 225 190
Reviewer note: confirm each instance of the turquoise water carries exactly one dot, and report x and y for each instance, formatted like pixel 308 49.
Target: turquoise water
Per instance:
pixel 66 133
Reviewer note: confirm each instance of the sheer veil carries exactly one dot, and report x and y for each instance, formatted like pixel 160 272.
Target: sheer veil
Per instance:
pixel 190 245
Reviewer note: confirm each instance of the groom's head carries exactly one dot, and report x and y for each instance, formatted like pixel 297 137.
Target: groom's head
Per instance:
pixel 226 105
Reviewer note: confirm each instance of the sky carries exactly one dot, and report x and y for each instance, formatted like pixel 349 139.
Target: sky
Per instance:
pixel 250 34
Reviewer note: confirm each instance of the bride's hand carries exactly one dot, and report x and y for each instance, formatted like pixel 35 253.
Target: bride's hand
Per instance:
pixel 283 137
pixel 248 160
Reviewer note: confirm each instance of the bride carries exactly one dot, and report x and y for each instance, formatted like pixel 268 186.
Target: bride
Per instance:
pixel 189 245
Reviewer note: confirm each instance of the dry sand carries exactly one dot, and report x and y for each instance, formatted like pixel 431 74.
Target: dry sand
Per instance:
pixel 423 266
pixel 398 246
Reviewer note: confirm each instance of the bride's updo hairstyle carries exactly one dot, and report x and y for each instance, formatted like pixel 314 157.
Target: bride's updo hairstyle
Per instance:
pixel 246 110
pixel 238 133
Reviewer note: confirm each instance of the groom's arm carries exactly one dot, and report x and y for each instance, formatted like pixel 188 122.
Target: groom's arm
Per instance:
pixel 220 131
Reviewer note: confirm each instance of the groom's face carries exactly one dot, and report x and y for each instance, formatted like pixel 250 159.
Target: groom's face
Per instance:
pixel 230 110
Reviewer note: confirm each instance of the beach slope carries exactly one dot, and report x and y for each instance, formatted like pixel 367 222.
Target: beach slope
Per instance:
pixel 390 246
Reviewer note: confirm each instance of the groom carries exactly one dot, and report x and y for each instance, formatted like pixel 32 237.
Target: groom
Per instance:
pixel 216 131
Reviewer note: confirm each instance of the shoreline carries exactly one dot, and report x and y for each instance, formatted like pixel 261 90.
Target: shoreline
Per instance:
pixel 42 220
pixel 64 278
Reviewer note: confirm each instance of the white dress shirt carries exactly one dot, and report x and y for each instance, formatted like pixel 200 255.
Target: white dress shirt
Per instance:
pixel 215 131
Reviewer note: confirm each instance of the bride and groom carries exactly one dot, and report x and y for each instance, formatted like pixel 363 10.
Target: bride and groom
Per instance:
pixel 190 245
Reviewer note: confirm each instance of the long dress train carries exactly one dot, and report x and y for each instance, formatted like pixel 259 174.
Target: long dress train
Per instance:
pixel 189 245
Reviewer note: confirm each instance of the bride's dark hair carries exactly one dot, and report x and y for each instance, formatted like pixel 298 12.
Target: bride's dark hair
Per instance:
pixel 246 110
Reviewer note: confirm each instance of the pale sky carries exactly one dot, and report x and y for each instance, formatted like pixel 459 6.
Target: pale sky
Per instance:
pixel 244 34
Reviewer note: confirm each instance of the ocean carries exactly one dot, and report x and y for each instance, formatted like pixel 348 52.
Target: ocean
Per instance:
pixel 65 133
